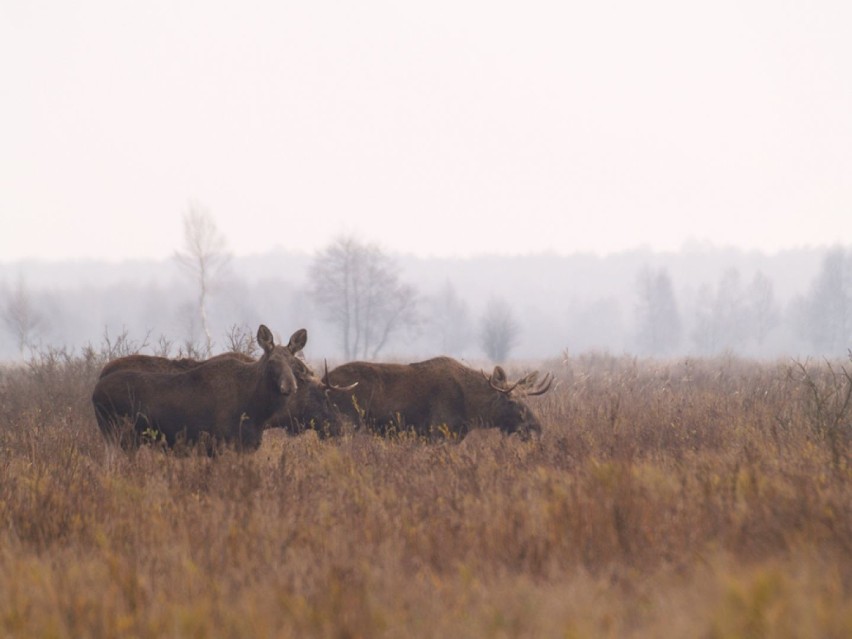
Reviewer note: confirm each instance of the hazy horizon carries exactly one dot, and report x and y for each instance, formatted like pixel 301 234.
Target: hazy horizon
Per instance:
pixel 580 303
pixel 447 129
pixel 688 247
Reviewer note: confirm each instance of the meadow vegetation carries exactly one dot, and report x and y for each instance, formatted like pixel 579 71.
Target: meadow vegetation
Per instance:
pixel 686 498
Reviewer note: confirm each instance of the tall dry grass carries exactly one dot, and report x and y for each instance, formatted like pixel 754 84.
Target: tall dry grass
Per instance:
pixel 694 498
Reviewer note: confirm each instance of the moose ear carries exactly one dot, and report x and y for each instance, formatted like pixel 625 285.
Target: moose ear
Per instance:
pixel 498 377
pixel 265 339
pixel 298 341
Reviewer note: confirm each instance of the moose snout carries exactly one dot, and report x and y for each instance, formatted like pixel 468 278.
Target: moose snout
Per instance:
pixel 530 430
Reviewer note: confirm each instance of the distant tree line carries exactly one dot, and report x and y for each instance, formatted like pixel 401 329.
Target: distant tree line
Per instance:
pixel 824 313
pixel 357 303
pixel 359 290
pixel 730 315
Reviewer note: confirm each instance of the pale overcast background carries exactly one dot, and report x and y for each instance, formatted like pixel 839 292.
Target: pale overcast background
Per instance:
pixel 437 128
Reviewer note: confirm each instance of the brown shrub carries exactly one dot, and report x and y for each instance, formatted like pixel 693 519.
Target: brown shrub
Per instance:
pixel 682 498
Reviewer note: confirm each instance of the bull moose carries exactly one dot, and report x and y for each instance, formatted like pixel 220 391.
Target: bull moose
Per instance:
pixel 221 400
pixel 435 395
pixel 309 406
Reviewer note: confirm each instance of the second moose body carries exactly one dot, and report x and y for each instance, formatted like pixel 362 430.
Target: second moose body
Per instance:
pixel 436 395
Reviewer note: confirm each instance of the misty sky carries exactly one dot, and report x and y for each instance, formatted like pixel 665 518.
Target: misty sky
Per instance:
pixel 439 128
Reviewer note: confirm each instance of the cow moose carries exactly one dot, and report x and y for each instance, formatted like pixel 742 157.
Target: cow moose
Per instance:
pixel 436 395
pixel 308 408
pixel 224 400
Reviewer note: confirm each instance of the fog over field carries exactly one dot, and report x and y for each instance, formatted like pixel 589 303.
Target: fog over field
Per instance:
pixel 559 304
pixel 641 211
pixel 658 178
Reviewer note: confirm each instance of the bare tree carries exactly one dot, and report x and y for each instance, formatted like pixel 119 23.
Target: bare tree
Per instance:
pixel 499 330
pixel 203 257
pixel 828 304
pixel 657 316
pixel 761 307
pixel 21 317
pixel 358 289
pixel 721 315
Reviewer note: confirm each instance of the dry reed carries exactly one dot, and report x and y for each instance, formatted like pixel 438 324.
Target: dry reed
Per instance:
pixel 699 498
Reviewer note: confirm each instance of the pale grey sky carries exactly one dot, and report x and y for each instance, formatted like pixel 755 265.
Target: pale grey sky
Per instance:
pixel 439 128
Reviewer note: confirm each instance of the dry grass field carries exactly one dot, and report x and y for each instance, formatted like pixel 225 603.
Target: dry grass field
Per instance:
pixel 691 498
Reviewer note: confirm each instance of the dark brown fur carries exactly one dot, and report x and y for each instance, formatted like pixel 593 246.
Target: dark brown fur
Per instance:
pixel 157 364
pixel 222 400
pixel 308 408
pixel 430 396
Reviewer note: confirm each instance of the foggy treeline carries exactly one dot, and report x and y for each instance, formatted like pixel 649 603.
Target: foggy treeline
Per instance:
pixel 699 301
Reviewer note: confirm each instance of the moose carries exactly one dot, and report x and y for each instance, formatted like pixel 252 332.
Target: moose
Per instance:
pixel 436 395
pixel 224 400
pixel 308 408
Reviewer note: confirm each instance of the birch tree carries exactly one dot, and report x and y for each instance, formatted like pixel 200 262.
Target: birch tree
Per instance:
pixel 203 258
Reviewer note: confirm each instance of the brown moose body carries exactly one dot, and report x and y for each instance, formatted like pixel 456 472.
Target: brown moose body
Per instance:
pixel 308 407
pixel 222 400
pixel 436 395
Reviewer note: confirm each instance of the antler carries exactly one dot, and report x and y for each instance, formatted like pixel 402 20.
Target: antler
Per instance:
pixel 500 389
pixel 543 387
pixel 329 386
pixel 524 382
